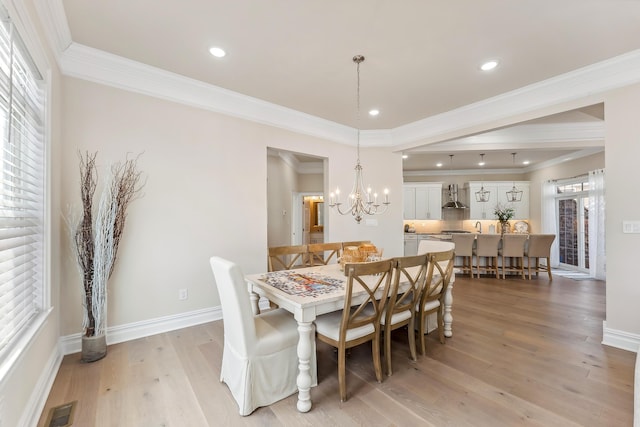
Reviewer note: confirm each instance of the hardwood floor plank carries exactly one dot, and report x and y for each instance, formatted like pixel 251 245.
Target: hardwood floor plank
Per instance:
pixel 523 353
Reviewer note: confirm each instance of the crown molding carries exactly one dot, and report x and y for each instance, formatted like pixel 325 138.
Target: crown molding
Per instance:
pixel 593 80
pixel 54 20
pixel 94 65
pixel 552 135
pixel 90 64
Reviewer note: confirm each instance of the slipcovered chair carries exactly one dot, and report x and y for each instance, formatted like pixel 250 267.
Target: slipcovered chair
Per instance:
pixel 259 359
pixel 439 274
pixel 356 325
pixel 427 246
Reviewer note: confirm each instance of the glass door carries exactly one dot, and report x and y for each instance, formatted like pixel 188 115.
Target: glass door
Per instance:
pixel 573 232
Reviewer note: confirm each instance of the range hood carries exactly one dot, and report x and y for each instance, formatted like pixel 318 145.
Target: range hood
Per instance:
pixel 453 202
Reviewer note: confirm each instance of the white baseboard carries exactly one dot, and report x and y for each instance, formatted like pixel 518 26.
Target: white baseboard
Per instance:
pixel 72 343
pixel 38 398
pixel 620 339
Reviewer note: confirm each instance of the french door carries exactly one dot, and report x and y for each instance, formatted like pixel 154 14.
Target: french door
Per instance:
pixel 573 232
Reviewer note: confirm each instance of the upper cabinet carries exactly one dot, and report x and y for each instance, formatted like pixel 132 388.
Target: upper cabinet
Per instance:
pixel 423 201
pixel 498 195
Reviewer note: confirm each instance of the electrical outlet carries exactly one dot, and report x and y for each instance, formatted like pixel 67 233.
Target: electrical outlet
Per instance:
pixel 183 294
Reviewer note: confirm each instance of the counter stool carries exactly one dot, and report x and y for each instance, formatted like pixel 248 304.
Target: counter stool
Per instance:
pixel 513 250
pixel 464 243
pixel 487 247
pixel 539 247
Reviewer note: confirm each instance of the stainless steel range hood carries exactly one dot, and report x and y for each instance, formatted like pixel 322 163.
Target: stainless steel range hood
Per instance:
pixel 453 202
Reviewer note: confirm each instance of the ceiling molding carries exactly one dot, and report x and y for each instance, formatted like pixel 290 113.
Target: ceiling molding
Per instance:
pixel 592 80
pixel 90 64
pixel 552 135
pixel 54 20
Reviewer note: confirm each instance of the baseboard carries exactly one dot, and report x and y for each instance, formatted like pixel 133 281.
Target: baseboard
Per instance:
pixel 72 343
pixel 620 339
pixel 33 409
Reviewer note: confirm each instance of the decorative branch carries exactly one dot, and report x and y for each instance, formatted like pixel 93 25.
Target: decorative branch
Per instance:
pixel 96 244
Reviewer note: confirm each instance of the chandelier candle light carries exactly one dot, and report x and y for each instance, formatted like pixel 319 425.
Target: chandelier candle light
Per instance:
pixel 361 201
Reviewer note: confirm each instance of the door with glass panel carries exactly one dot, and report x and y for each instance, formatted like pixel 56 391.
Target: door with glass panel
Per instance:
pixel 573 230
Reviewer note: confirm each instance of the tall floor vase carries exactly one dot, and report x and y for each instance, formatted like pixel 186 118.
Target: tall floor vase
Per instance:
pixel 93 348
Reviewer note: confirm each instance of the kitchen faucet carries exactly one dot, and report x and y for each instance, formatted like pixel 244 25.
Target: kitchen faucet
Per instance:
pixel 478 227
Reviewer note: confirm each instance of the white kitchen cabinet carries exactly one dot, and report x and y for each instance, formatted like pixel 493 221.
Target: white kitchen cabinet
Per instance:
pixel 423 201
pixel 521 208
pixel 482 210
pixel 410 245
pixel 498 189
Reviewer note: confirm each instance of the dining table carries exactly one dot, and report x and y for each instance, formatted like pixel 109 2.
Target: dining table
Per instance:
pixel 311 292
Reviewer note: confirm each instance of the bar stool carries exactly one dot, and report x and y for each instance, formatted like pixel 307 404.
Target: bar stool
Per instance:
pixel 464 243
pixel 539 247
pixel 513 249
pixel 487 247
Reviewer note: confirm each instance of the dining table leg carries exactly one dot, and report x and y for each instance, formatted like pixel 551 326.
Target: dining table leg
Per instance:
pixel 448 317
pixel 255 302
pixel 305 330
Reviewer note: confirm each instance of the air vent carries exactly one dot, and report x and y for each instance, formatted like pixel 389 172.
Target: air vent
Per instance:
pixel 61 416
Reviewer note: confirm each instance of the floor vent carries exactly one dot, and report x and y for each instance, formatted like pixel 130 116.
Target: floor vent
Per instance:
pixel 61 416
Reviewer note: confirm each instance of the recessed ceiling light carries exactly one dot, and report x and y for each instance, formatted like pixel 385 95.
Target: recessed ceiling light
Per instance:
pixel 489 65
pixel 404 156
pixel 217 52
pixel 439 165
pixel 526 162
pixel 374 112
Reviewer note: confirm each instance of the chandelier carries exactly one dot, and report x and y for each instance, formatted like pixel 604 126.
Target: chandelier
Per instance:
pixel 482 195
pixel 361 201
pixel 514 195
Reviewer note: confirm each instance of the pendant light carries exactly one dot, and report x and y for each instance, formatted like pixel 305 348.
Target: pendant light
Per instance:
pixel 483 195
pixel 361 202
pixel 514 195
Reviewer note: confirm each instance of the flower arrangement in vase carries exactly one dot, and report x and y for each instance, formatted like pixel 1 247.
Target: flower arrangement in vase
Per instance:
pixel 504 214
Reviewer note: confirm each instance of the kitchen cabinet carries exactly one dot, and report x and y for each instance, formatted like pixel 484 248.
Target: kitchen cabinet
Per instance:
pixel 498 195
pixel 410 245
pixel 423 201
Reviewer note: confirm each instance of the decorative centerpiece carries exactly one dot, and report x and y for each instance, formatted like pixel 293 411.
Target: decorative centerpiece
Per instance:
pixel 504 214
pixel 95 242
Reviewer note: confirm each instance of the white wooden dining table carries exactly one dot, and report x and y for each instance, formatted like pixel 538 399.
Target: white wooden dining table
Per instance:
pixel 308 293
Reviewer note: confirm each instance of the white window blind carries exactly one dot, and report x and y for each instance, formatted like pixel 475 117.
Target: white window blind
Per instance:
pixel 22 162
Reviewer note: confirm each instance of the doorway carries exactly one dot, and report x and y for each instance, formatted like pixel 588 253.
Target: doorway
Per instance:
pixel 573 224
pixel 308 218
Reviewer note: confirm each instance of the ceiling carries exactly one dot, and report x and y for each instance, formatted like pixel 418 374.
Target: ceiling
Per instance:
pixel 422 56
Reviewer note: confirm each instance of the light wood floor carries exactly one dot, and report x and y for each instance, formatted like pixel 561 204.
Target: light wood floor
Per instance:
pixel 523 353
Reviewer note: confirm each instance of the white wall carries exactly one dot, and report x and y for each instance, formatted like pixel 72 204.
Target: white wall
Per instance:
pixel 622 145
pixel 205 195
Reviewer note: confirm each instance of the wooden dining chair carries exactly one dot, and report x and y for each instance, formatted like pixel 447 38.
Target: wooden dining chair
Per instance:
pixel 464 244
pixel 355 243
pixel 260 356
pixel 539 246
pixel 409 275
pixel 512 250
pixel 439 273
pixel 323 253
pixel 287 257
pixel 355 324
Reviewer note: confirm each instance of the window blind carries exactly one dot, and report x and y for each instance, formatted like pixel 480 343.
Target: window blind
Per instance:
pixel 22 185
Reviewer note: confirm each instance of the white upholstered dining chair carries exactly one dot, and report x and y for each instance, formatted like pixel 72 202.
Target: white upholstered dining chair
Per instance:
pixel 259 359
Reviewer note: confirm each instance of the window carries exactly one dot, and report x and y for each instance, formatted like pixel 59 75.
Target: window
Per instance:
pixel 22 186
